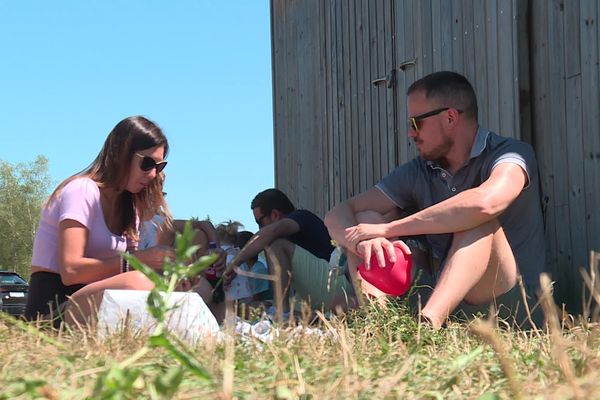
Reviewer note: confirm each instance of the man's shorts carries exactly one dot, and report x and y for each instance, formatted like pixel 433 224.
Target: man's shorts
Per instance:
pixel 315 282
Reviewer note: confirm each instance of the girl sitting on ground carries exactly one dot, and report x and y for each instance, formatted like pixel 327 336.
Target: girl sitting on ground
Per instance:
pixel 91 218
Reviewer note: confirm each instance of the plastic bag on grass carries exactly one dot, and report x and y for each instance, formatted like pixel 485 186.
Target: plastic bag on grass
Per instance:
pixel 190 320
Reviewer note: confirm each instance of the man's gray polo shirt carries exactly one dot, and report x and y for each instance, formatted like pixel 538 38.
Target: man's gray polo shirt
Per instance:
pixel 419 184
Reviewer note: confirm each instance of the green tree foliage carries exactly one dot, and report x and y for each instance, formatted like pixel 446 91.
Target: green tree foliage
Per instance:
pixel 23 188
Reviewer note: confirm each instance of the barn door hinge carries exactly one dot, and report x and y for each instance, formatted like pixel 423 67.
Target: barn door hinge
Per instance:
pixel 390 78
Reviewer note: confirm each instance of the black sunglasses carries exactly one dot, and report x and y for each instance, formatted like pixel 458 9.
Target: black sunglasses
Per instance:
pixel 259 220
pixel 413 122
pixel 148 163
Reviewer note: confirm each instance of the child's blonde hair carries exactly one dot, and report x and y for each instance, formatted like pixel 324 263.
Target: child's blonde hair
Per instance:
pixel 227 232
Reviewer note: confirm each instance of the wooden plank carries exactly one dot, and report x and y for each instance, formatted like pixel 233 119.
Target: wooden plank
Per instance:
pixel 355 160
pixel 341 104
pixel 348 78
pixel 361 82
pixel 329 103
pixel 410 74
pixel 515 69
pixel 574 154
pixel 390 133
pixel 437 38
pixel 506 77
pixel 403 53
pixel 590 73
pixel 559 167
pixel 541 124
pixel 316 188
pixel 522 68
pixel 291 114
pixel 377 71
pixel 382 90
pixel 491 102
pixel 468 40
pixel 344 104
pixel 446 25
pixel 277 20
pixel 457 30
pixel 337 84
pixel 480 81
pixel 368 94
pixel 426 39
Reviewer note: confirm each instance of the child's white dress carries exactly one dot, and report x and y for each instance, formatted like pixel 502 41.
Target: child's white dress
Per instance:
pixel 239 288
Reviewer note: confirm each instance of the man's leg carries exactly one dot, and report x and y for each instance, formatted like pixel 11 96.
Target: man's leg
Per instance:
pixel 279 260
pixel 479 267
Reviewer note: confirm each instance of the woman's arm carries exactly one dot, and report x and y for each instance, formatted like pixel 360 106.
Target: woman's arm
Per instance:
pixel 76 268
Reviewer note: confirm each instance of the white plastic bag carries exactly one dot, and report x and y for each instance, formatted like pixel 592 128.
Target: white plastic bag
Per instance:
pixel 190 320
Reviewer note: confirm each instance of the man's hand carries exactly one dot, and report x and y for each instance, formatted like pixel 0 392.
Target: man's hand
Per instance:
pixel 228 275
pixel 379 247
pixel 220 264
pixel 358 233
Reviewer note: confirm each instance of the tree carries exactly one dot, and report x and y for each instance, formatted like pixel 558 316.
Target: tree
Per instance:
pixel 23 188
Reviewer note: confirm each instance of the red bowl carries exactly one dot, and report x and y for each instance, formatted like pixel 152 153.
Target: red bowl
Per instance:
pixel 393 279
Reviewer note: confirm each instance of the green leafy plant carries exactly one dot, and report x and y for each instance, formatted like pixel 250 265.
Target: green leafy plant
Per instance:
pixel 123 380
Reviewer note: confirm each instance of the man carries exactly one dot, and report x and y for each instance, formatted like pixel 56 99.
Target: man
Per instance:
pixel 473 194
pixel 298 249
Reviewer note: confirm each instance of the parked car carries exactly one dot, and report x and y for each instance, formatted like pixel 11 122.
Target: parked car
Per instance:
pixel 13 293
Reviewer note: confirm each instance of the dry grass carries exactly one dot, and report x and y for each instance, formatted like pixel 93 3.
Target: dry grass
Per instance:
pixel 373 353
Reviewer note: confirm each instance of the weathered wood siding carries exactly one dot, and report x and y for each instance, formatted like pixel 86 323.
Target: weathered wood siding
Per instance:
pixel 337 134
pixel 566 130
pixel 534 65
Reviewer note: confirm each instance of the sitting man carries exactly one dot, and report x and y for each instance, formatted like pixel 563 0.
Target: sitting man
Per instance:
pixel 298 249
pixel 474 195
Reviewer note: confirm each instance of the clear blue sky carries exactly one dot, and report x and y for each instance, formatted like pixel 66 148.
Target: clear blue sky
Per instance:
pixel 70 70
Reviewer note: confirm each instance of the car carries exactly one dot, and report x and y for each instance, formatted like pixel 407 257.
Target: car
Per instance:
pixel 13 293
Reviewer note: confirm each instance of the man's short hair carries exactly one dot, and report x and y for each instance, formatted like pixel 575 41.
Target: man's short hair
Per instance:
pixel 272 199
pixel 450 88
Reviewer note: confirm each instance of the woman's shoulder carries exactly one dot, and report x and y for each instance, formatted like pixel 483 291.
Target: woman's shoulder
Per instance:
pixel 80 189
pixel 82 184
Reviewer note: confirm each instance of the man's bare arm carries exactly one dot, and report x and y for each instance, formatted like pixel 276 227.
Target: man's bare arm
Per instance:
pixel 464 211
pixel 344 214
pixel 264 237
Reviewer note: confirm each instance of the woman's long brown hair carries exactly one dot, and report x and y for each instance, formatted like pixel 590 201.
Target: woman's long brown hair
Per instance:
pixel 111 170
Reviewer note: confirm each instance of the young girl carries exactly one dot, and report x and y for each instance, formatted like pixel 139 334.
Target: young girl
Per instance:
pixel 239 289
pixel 91 218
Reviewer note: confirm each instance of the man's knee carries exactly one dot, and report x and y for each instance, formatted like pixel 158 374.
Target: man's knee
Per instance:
pixel 477 232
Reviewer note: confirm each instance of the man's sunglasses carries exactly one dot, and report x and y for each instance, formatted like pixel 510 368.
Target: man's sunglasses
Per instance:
pixel 414 122
pixel 148 163
pixel 259 221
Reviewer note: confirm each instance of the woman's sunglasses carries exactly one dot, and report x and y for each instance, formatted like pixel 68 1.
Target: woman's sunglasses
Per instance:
pixel 415 122
pixel 148 163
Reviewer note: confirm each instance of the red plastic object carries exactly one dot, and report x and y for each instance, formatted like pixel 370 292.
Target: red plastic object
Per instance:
pixel 394 279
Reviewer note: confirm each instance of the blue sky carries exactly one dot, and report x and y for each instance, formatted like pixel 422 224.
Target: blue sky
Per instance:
pixel 70 70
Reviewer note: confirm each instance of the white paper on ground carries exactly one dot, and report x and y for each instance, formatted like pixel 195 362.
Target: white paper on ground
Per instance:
pixel 190 320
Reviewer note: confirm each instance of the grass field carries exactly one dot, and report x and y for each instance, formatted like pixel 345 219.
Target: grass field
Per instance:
pixel 372 353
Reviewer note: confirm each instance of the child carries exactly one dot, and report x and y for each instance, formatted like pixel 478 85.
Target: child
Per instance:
pixel 261 288
pixel 239 288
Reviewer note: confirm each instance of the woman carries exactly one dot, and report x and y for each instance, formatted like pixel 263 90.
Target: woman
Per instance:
pixel 91 218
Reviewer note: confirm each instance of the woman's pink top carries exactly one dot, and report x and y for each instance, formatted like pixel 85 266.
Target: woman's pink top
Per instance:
pixel 79 200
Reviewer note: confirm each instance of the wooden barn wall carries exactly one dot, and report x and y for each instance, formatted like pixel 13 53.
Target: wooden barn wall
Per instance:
pixel 534 65
pixel 299 102
pixel 565 42
pixel 336 133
